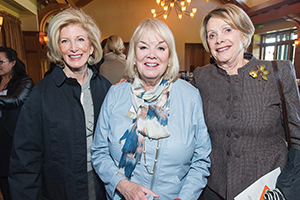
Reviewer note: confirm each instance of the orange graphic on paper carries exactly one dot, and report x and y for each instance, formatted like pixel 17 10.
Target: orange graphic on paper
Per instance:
pixel 264 191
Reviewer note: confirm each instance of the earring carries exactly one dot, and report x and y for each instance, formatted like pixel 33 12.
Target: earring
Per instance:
pixel 135 68
pixel 167 70
pixel 62 64
pixel 91 60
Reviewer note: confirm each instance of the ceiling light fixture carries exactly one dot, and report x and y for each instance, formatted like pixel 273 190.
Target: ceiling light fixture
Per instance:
pixel 178 5
pixel 1 20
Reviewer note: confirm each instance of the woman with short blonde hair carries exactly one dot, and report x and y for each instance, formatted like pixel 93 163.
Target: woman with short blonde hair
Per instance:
pixel 163 30
pixel 73 16
pixel 151 138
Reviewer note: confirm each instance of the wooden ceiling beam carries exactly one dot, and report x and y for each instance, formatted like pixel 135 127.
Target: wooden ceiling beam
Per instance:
pixel 82 3
pixel 236 2
pixel 243 5
pixel 269 5
pixel 53 8
pixel 72 4
pixel 60 1
pixel 48 11
pixel 293 9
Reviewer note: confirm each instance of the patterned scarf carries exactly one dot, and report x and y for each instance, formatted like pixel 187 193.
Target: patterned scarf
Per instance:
pixel 150 121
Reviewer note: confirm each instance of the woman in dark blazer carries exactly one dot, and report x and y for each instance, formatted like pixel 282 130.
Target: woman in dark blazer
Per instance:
pixel 15 85
pixel 242 106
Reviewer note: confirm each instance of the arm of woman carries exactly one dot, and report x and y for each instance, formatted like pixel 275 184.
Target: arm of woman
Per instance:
pixel 27 150
pixel 102 161
pixel 291 92
pixel 19 95
pixel 105 165
pixel 196 179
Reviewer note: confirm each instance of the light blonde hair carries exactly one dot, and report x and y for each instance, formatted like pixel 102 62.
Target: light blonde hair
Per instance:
pixel 232 15
pixel 165 33
pixel 65 18
pixel 115 44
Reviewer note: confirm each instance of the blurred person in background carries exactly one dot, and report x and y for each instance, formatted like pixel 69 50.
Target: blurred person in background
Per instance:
pixel 104 46
pixel 15 86
pixel 113 67
pixel 105 50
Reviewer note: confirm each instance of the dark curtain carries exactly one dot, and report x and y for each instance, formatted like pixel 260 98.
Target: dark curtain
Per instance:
pixel 11 34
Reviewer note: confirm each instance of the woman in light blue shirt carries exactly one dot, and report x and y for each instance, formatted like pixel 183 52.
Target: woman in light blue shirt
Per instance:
pixel 151 137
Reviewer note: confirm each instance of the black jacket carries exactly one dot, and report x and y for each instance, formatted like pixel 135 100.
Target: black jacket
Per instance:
pixel 18 90
pixel 11 103
pixel 49 154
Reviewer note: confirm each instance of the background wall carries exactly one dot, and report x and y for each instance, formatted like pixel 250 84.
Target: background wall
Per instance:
pixel 121 18
pixel 26 10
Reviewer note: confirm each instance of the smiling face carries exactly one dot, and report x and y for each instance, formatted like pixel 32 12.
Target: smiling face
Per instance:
pixel 75 46
pixel 152 58
pixel 6 68
pixel 225 43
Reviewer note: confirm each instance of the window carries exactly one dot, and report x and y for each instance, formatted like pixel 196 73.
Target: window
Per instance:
pixel 278 45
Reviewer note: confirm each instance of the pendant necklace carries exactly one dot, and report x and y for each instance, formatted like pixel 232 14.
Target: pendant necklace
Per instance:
pixel 155 161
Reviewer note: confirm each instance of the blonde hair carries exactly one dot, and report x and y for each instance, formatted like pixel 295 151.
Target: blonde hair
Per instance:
pixel 165 33
pixel 115 44
pixel 232 15
pixel 65 18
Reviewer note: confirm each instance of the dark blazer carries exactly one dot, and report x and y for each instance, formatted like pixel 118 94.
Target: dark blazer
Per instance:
pixel 49 154
pixel 244 120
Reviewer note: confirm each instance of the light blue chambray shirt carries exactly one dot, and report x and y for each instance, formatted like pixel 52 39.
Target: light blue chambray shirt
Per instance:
pixel 183 160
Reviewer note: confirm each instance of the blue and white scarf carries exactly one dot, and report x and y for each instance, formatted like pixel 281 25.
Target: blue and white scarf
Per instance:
pixel 150 121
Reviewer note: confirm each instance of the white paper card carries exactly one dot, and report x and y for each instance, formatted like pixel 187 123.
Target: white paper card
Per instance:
pixel 259 187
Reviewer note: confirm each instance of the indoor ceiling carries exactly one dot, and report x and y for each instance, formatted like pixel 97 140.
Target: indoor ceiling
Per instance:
pixel 73 3
pixel 260 11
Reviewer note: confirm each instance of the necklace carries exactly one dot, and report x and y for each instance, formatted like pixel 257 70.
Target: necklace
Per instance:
pixel 4 87
pixel 155 161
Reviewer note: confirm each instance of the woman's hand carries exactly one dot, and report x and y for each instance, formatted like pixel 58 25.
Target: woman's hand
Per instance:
pixel 134 191
pixel 121 81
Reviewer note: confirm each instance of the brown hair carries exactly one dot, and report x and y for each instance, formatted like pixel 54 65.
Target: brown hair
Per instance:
pixel 232 15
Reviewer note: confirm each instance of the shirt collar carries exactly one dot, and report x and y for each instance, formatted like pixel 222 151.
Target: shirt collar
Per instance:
pixel 60 77
pixel 247 56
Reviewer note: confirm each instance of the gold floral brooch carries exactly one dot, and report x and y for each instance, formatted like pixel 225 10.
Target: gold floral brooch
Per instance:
pixel 260 73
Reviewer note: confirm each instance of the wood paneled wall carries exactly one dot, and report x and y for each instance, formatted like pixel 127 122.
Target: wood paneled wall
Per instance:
pixel 33 52
pixel 196 56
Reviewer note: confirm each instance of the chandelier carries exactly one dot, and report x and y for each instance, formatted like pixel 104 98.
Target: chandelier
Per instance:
pixel 178 5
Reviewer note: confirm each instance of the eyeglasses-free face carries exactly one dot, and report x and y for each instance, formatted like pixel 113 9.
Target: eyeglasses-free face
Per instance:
pixel 75 46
